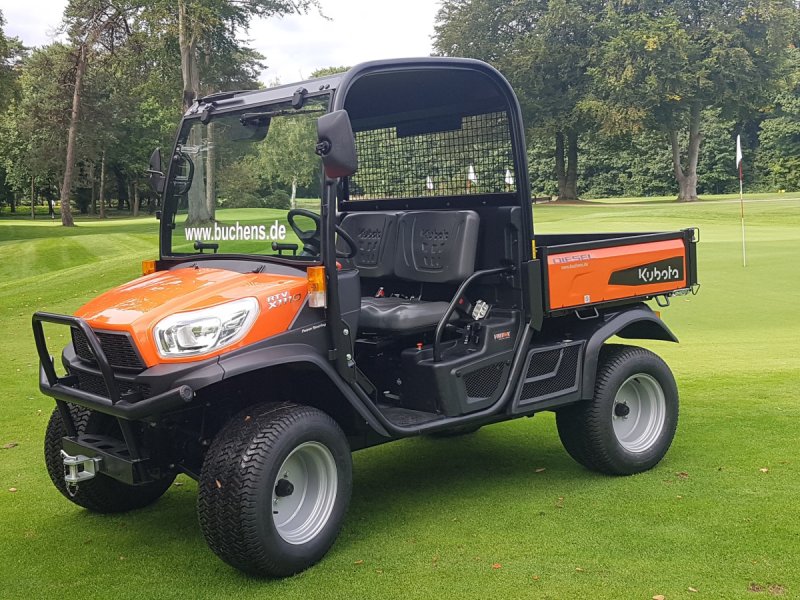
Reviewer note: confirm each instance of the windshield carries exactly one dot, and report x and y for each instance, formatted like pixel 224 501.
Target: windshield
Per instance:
pixel 237 180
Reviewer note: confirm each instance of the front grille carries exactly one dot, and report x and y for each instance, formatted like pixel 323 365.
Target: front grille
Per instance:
pixel 94 384
pixel 117 347
pixel 483 382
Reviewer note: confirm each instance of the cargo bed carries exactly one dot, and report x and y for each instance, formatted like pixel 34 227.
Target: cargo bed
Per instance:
pixel 588 270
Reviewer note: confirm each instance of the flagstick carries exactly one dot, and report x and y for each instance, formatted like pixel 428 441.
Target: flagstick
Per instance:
pixel 741 206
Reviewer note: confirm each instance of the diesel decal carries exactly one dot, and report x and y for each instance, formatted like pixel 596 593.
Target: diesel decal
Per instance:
pixel 662 271
pixel 560 260
pixel 282 298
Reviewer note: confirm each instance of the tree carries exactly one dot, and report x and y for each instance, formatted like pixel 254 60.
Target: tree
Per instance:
pixel 33 130
pixel 779 151
pixel 663 64
pixel 212 57
pixel 545 49
pixel 12 52
pixel 92 25
pixel 288 155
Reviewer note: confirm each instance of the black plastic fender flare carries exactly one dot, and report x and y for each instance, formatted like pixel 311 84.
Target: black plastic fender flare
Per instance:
pixel 260 358
pixel 638 322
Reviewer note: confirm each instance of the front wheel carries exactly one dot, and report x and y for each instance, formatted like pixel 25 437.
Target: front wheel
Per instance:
pixel 274 489
pixel 629 424
pixel 102 493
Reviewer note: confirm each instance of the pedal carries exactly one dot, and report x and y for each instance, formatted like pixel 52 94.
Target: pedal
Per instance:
pixel 79 468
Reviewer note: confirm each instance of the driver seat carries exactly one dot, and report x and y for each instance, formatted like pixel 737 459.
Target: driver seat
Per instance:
pixel 419 246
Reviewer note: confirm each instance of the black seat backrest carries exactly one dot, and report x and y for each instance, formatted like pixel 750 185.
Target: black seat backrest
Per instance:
pixel 436 246
pixel 375 233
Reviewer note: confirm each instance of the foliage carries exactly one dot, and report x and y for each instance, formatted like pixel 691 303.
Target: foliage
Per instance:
pixel 660 66
pixel 779 151
pixel 278 199
pixel 288 156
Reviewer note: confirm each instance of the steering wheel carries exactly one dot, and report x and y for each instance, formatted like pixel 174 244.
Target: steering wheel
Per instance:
pixel 311 237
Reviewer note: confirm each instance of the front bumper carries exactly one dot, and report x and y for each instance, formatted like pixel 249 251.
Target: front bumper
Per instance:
pixel 175 384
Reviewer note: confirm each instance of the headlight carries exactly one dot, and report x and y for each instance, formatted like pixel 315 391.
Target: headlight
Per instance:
pixel 201 331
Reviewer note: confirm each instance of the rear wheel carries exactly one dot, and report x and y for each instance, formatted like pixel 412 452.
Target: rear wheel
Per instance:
pixel 629 424
pixel 274 489
pixel 102 493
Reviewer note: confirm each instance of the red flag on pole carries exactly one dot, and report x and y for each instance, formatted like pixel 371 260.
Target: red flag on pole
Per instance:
pixel 739 155
pixel 739 162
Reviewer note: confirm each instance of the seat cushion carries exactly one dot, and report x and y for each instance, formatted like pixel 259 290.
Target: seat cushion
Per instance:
pixel 400 314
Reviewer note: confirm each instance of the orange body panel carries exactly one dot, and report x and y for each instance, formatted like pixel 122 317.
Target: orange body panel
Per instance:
pixel 618 272
pixel 136 307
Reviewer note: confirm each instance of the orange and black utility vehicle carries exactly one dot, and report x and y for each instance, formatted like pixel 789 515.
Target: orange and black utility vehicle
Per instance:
pixel 265 345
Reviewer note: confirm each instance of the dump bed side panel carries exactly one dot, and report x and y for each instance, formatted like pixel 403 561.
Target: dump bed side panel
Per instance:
pixel 586 276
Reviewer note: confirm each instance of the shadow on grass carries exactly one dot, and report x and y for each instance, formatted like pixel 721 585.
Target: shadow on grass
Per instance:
pixel 413 479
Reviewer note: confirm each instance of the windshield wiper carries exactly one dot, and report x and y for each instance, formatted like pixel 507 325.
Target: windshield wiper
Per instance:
pixel 255 117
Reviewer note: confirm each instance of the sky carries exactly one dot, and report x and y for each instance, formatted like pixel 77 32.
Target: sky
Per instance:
pixel 358 30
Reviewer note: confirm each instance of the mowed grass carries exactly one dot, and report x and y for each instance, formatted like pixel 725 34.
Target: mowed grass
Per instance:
pixel 474 517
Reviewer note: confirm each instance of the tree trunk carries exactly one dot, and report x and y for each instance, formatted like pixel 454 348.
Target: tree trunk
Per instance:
pixel 123 199
pixel 561 175
pixel 33 201
pixel 571 183
pixel 135 200
pixel 69 166
pixel 197 210
pixel 211 172
pixel 687 178
pixel 293 201
pixel 94 191
pixel 102 200
pixel 188 47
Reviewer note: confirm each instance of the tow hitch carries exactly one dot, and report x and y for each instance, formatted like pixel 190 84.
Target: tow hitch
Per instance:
pixel 78 468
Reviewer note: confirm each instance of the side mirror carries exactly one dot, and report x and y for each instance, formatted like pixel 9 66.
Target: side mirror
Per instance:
pixel 156 176
pixel 336 144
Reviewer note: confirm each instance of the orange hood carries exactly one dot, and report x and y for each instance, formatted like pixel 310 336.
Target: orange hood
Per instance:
pixel 136 307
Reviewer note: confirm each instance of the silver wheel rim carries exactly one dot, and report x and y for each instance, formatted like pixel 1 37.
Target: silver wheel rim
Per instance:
pixel 304 493
pixel 639 413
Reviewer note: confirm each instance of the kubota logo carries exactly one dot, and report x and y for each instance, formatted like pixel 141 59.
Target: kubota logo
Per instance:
pixel 654 274
pixel 662 271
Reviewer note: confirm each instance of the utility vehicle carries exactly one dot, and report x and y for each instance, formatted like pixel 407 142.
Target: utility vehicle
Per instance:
pixel 411 298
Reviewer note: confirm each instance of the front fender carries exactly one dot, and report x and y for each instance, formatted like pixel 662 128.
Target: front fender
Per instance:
pixel 639 322
pixel 259 358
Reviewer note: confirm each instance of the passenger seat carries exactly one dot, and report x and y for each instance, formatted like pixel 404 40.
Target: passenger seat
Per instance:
pixel 420 246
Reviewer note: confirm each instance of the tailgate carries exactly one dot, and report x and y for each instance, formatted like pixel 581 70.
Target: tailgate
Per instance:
pixel 610 270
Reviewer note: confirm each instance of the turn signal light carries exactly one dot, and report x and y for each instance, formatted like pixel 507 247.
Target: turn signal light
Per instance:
pixel 148 267
pixel 317 287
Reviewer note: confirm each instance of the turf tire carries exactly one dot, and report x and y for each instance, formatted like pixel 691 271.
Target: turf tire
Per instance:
pixel 237 482
pixel 587 428
pixel 101 494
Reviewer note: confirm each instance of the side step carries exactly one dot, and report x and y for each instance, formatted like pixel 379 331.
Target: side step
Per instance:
pixel 405 417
